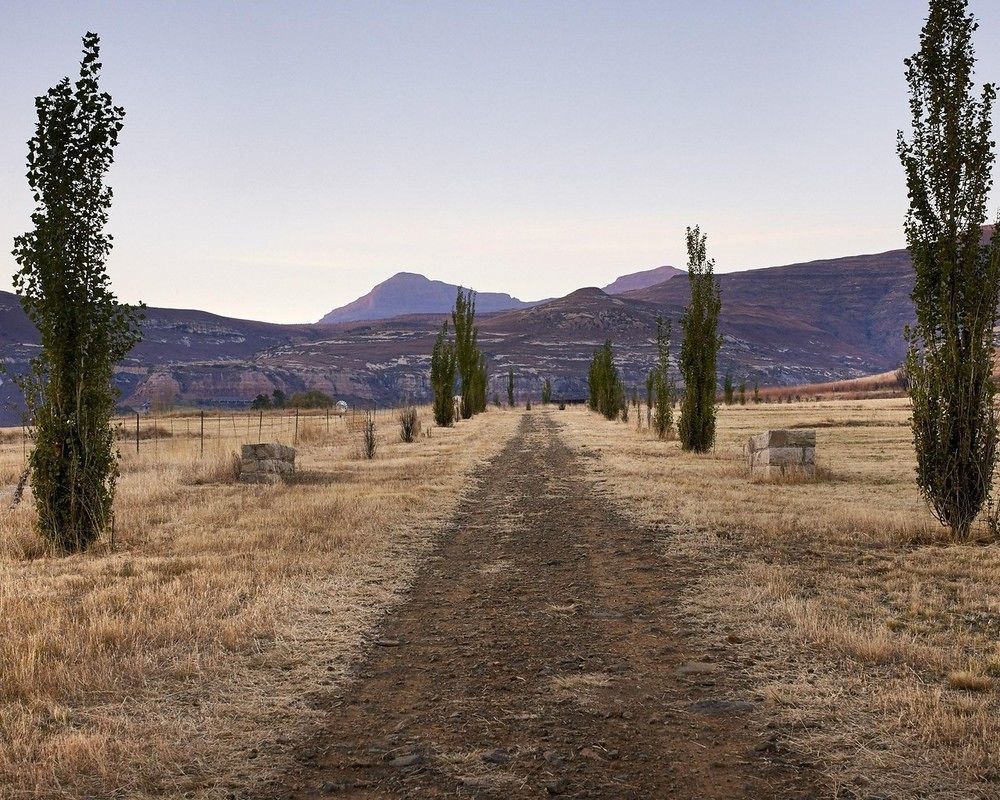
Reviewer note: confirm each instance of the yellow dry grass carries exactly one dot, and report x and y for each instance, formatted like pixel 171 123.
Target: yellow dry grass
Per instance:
pixel 188 660
pixel 868 636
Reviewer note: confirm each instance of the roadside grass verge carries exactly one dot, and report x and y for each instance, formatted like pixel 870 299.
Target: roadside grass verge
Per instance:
pixel 873 642
pixel 187 661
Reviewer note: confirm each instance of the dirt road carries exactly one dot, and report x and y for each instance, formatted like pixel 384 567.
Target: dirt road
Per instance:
pixel 540 655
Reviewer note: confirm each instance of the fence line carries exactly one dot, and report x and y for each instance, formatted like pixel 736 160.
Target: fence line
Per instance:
pixel 227 428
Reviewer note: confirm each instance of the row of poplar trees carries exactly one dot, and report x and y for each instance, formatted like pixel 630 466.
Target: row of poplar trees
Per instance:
pixel 460 360
pixel 697 362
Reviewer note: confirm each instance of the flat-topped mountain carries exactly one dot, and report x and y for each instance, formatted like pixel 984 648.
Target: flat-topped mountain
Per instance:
pixel 410 293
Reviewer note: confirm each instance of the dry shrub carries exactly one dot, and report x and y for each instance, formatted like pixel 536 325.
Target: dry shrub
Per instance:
pixel 409 424
pixel 369 437
pixel 219 469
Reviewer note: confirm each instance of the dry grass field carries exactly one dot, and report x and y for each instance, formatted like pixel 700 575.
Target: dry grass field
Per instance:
pixel 873 644
pixel 185 662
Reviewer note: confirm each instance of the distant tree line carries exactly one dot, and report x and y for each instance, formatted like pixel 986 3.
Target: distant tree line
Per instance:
pixel 313 398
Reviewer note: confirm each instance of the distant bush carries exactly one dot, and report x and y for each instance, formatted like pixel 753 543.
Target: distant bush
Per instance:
pixel 314 398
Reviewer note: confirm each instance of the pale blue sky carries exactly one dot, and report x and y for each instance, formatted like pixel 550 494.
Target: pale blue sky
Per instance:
pixel 278 159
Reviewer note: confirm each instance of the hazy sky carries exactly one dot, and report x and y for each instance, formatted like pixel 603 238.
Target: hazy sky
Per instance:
pixel 278 159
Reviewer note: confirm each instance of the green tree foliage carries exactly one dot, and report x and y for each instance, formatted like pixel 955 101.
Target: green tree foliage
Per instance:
pixel 546 392
pixel 467 353
pixel 606 391
pixel 313 398
pixel 66 292
pixel 650 391
pixel 727 389
pixel 663 383
pixel 700 348
pixel 743 392
pixel 756 392
pixel 278 398
pixel 948 161
pixel 510 387
pixel 261 402
pixel 443 365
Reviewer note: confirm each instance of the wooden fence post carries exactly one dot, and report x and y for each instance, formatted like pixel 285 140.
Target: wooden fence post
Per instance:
pixel 137 432
pixel 202 434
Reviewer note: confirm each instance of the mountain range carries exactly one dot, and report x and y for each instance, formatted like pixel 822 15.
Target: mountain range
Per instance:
pixel 801 323
pixel 411 293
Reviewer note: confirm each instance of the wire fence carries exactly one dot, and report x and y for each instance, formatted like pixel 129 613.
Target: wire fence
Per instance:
pixel 201 433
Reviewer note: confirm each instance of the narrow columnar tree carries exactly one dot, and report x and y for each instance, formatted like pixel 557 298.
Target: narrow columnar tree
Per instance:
pixel 743 392
pixel 66 292
pixel 650 390
pixel 948 161
pixel 466 349
pixel 727 389
pixel 443 378
pixel 510 387
pixel 546 392
pixel 479 384
pixel 700 348
pixel 606 391
pixel 756 392
pixel 663 384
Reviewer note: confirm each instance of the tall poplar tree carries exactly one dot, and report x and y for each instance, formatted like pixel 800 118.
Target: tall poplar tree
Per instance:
pixel 948 160
pixel 466 350
pixel 663 385
pixel 66 292
pixel 443 378
pixel 700 348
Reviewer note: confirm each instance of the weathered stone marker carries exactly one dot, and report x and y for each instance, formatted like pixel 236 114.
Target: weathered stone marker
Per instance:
pixel 776 453
pixel 266 463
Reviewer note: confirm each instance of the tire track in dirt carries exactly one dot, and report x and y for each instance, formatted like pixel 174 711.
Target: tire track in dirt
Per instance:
pixel 537 655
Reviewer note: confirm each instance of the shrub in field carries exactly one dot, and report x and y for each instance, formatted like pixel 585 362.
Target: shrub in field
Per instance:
pixel 527 406
pixel 562 406
pixel 65 291
pixel 948 162
pixel 409 424
pixel 369 436
pixel 700 348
